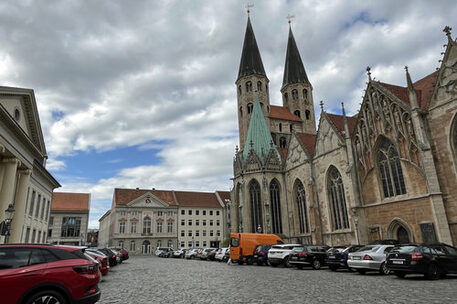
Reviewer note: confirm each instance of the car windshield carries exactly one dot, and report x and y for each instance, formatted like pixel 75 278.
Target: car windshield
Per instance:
pixel 299 249
pixel 335 250
pixel 405 249
pixel 369 248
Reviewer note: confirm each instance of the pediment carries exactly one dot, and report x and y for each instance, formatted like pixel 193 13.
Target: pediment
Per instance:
pixel 328 138
pixel 148 200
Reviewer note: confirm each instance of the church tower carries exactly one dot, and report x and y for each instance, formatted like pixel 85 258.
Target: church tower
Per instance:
pixel 252 80
pixel 296 89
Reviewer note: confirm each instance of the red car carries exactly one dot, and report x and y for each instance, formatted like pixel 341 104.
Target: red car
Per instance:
pixel 33 274
pixel 102 261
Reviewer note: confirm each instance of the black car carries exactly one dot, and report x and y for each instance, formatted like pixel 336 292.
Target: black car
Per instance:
pixel 211 255
pixel 432 260
pixel 110 254
pixel 308 255
pixel 337 257
pixel 261 254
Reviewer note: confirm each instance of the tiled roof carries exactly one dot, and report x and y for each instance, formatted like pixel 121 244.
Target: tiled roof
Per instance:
pixel 423 87
pixel 283 113
pixel 65 201
pixel 338 121
pixel 197 199
pixel 125 196
pixel 309 142
pixel 224 195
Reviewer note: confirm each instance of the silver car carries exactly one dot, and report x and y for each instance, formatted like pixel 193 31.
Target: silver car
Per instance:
pixel 370 258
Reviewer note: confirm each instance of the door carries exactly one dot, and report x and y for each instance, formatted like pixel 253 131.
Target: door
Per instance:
pixel 402 235
pixel 146 248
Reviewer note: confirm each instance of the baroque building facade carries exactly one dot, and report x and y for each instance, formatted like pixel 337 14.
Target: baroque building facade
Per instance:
pixel 24 181
pixel 387 172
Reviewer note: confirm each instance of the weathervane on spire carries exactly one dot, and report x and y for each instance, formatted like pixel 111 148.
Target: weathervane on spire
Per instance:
pixel 289 18
pixel 447 29
pixel 248 7
pixel 406 68
pixel 369 73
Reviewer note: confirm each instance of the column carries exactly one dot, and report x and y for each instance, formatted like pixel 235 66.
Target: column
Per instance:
pixel 8 184
pixel 19 205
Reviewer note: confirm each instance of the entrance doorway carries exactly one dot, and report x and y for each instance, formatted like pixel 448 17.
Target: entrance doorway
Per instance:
pixel 402 235
pixel 146 248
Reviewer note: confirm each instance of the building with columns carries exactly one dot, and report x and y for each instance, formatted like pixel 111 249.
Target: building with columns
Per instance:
pixel 69 218
pixel 388 172
pixel 24 181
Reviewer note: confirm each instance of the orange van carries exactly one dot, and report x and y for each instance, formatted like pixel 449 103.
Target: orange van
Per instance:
pixel 242 245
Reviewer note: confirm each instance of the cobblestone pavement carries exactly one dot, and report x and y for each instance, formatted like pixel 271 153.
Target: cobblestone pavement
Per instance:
pixel 159 280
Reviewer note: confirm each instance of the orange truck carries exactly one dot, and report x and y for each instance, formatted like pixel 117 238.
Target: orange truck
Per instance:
pixel 242 245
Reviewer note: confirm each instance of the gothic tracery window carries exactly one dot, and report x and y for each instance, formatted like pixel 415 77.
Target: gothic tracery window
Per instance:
pixel 301 205
pixel 275 207
pixel 294 94
pixel 256 206
pixel 259 86
pixel 297 113
pixel 305 94
pixel 390 170
pixel 307 114
pixel 337 200
pixel 249 86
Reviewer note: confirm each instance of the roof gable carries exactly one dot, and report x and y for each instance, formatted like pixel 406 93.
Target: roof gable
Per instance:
pixel 308 141
pixel 147 200
pixel 125 196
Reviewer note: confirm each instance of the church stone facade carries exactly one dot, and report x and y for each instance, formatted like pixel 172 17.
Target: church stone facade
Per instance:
pixel 388 172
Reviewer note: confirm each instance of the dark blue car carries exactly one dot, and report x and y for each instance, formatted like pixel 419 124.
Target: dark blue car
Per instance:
pixel 337 257
pixel 261 254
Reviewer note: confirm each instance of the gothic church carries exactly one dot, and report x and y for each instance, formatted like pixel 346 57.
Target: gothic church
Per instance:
pixel 388 172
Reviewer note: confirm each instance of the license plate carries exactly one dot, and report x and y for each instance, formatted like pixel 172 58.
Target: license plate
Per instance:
pixel 256 256
pixel 397 262
pixel 356 258
pixel 331 257
pixel 294 258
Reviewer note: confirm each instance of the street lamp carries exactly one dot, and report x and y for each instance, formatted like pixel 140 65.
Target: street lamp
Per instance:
pixel 259 229
pixel 5 225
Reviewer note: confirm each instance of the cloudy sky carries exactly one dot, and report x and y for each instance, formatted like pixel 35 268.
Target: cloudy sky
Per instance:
pixel 142 94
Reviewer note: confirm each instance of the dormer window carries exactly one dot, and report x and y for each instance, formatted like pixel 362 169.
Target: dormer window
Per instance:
pixel 259 86
pixel 249 86
pixel 250 108
pixel 308 114
pixel 294 94
pixel 297 113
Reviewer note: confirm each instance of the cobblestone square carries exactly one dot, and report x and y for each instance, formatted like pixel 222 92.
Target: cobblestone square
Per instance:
pixel 159 280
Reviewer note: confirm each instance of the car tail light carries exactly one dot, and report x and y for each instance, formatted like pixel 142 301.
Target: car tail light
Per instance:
pixel 86 269
pixel 416 256
pixel 302 254
pixel 367 257
pixel 261 253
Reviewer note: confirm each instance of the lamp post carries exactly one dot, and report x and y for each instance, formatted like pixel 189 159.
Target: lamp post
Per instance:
pixel 5 225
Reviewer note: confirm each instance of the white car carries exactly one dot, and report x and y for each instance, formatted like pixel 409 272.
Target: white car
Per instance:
pixel 164 252
pixel 369 258
pixel 221 254
pixel 191 253
pixel 279 254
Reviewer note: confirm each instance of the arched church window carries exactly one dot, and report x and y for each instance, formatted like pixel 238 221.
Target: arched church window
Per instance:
pixel 280 127
pixel 275 207
pixel 241 111
pixel 390 170
pixel 282 142
pixel 305 94
pixel 294 94
pixel 256 206
pixel 297 113
pixel 239 89
pixel 259 86
pixel 301 206
pixel 250 106
pixel 147 225
pixel 307 114
pixel 249 86
pixel 286 97
pixel 337 200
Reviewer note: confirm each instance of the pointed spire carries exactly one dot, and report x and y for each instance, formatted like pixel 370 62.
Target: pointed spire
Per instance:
pixel 251 62
pixel 294 71
pixel 411 92
pixel 259 137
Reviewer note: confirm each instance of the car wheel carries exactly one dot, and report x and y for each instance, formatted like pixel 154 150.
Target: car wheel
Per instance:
pixel 240 262
pixel 361 271
pixel 286 262
pixel 316 264
pixel 259 263
pixel 249 261
pixel 384 270
pixel 400 274
pixel 47 296
pixel 273 264
pixel 433 272
pixel 333 268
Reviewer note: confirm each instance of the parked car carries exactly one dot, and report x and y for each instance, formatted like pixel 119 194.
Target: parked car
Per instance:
pixel 337 257
pixel 191 253
pixel 384 242
pixel 47 274
pixel 432 260
pixel 261 254
pixel 211 256
pixel 203 254
pixel 164 252
pixel 124 253
pixel 308 255
pixel 112 257
pixel 222 254
pixel 279 254
pixel 180 253
pixel 118 255
pixel 370 258
pixel 242 245
pixel 101 259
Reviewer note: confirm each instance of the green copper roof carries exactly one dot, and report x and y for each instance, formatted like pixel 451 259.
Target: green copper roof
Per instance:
pixel 259 134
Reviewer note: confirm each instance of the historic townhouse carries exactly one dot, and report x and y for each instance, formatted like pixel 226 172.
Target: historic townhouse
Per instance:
pixel 388 172
pixel 69 218
pixel 24 181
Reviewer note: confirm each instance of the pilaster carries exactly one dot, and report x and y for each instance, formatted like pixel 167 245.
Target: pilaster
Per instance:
pixel 19 205
pixel 8 184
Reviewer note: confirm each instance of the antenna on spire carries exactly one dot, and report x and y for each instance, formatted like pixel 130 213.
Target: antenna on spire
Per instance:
pixel 369 73
pixel 248 7
pixel 289 18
